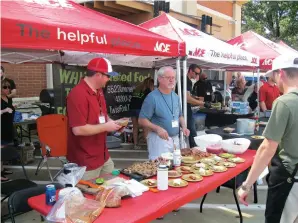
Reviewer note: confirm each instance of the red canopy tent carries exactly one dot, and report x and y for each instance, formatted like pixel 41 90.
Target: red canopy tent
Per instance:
pixel 260 46
pixel 45 26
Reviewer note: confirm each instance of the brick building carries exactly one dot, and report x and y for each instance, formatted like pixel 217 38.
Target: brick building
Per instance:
pixel 32 78
pixel 29 78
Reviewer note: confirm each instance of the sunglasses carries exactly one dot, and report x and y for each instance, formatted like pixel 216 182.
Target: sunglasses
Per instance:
pixel 5 87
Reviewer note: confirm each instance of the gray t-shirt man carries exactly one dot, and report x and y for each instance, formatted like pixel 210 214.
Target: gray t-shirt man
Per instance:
pixel 283 128
pixel 163 110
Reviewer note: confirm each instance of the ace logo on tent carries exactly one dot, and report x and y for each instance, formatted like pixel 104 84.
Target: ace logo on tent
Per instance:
pixel 162 47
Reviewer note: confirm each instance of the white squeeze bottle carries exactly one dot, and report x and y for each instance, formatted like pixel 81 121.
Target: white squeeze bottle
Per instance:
pixel 176 157
pixel 162 177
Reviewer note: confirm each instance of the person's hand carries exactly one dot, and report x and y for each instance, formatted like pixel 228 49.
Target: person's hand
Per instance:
pixel 242 194
pixel 185 131
pixel 207 104
pixel 112 126
pixel 8 110
pixel 162 133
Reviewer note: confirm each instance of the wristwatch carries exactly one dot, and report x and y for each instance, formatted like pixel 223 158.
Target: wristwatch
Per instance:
pixel 245 187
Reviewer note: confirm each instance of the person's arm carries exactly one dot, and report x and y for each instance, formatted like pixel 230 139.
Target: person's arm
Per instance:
pixel 147 124
pixel 89 130
pixel 263 106
pixel 12 94
pixel 263 157
pixel 273 133
pixel 194 101
pixel 77 112
pixel 6 110
pixel 262 99
pixel 146 114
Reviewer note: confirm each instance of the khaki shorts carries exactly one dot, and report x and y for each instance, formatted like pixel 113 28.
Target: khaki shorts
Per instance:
pixel 107 167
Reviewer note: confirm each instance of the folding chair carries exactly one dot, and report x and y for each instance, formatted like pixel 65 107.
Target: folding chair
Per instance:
pixel 52 133
pixel 18 201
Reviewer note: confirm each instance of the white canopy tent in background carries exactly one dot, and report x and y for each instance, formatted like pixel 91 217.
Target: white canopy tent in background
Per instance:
pixel 197 47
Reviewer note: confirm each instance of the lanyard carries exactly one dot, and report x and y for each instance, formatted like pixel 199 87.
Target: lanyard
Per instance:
pixel 172 111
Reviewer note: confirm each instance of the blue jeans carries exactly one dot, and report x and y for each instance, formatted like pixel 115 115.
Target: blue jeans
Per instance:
pixel 191 125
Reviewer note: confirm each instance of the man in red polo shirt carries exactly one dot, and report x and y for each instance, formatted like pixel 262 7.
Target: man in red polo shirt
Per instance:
pixel 88 121
pixel 269 92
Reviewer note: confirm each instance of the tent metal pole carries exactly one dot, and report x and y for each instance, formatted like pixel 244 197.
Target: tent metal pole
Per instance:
pixel 225 88
pixel 258 87
pixel 178 74
pixel 155 78
pixel 178 71
pixel 184 89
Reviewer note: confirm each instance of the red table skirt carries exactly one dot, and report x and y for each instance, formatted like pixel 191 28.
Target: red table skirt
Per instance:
pixel 150 206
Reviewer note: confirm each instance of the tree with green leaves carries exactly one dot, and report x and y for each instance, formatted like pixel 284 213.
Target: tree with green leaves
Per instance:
pixel 275 20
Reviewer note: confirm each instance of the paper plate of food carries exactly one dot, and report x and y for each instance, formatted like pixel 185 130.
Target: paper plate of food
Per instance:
pixel 226 155
pixel 189 160
pixel 177 183
pixel 218 158
pixel 174 174
pixel 192 177
pixel 203 172
pixel 227 164
pixel 236 160
pixel 149 182
pixel 200 165
pixel 208 161
pixel 218 169
pixel 183 169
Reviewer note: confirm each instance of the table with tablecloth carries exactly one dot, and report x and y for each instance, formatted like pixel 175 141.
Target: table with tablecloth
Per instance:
pixel 220 117
pixel 151 205
pixel 255 143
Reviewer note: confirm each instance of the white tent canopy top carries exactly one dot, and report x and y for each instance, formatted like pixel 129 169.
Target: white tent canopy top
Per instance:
pixel 199 47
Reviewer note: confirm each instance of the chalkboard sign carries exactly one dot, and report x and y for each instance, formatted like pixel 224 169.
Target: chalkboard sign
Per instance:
pixel 118 92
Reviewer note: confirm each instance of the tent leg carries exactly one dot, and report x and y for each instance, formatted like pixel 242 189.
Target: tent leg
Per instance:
pixel 184 89
pixel 178 72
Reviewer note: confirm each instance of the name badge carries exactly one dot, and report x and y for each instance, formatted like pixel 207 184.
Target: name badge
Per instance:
pixel 208 93
pixel 102 119
pixel 175 124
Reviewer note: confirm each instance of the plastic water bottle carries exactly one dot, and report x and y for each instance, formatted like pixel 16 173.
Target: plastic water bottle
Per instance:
pixel 162 177
pixel 177 157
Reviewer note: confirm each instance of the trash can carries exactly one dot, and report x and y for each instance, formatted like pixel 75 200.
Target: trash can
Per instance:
pixel 199 121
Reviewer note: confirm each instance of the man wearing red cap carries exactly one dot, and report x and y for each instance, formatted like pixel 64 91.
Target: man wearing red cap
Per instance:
pixel 88 121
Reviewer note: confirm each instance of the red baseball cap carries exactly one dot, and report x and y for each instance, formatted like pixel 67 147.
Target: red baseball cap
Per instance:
pixel 102 65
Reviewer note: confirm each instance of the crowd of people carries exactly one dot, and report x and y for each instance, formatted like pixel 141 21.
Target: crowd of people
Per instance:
pixel 267 92
pixel 158 111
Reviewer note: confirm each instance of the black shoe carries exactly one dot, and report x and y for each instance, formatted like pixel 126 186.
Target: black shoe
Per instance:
pixel 6 171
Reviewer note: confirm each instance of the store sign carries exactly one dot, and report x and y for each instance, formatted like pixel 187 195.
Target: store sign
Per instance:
pixel 162 47
pixel 118 92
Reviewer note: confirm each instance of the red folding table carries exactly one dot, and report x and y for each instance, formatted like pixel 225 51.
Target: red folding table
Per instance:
pixel 150 206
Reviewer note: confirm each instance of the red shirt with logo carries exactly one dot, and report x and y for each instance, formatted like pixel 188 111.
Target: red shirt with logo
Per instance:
pixel 268 93
pixel 84 106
